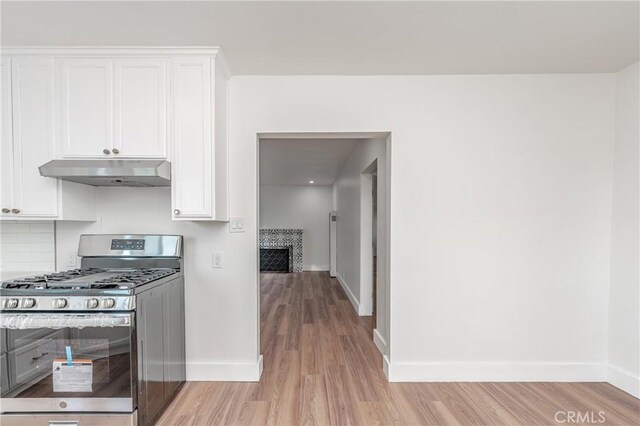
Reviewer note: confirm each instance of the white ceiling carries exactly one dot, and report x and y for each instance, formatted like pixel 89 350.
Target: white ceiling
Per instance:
pixel 297 161
pixel 358 38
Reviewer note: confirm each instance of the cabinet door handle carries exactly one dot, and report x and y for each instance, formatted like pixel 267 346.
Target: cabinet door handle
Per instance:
pixel 6 211
pixel 176 212
pixel 16 211
pixel 42 355
pixel 106 151
pixel 115 151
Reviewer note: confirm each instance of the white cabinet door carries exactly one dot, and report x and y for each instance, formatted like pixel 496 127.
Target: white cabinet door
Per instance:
pixel 86 107
pixel 33 143
pixel 6 141
pixel 141 98
pixel 192 156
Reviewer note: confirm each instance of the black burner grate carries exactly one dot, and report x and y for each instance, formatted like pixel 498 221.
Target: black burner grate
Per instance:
pixel 60 280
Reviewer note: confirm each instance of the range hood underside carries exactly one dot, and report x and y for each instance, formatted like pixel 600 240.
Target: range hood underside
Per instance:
pixel 136 173
pixel 138 181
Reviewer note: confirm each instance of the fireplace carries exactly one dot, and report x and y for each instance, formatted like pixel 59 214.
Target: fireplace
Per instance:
pixel 289 239
pixel 274 260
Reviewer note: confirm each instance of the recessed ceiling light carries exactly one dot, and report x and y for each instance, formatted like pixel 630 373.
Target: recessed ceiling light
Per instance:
pixel 311 181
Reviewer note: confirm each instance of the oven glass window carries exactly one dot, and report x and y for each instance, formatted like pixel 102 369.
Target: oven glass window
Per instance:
pixel 73 362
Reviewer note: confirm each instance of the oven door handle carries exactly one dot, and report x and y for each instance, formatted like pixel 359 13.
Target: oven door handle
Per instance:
pixel 42 355
pixel 58 321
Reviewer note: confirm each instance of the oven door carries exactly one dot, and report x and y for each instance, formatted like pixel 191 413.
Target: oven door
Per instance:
pixel 69 362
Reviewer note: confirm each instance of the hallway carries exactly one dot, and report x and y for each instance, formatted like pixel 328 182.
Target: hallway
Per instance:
pixel 321 367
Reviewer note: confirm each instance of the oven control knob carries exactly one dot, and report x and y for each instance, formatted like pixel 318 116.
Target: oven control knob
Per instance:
pixel 11 303
pixel 28 303
pixel 108 303
pixel 92 303
pixel 59 303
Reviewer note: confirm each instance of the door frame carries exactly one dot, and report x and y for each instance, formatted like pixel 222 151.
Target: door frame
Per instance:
pixel 385 315
pixel 366 239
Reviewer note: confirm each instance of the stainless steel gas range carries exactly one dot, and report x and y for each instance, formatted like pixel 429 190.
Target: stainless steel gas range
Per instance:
pixel 103 344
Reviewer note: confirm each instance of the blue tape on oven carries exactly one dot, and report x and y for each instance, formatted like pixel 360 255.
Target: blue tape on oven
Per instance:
pixel 69 358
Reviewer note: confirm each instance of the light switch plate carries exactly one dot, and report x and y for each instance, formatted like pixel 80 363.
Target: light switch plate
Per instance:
pixel 216 260
pixel 236 224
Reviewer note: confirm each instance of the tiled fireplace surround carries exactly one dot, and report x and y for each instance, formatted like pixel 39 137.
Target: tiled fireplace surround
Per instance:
pixel 286 239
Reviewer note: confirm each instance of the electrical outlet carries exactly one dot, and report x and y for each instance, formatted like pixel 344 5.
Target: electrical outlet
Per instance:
pixel 72 259
pixel 216 260
pixel 236 224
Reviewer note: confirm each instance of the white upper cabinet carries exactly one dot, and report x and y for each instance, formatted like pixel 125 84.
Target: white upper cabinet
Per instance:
pixel 6 135
pixel 110 103
pixel 28 142
pixel 192 154
pixel 86 107
pixel 199 154
pixel 141 101
pixel 33 144
pixel 113 107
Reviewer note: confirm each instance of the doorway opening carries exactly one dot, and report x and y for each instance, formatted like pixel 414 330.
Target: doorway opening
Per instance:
pixel 323 253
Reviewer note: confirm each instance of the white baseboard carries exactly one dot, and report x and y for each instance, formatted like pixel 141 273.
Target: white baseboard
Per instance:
pixel 385 366
pixel 623 380
pixel 224 371
pixel 496 372
pixel 379 341
pixel 315 268
pixel 350 295
pixel 260 367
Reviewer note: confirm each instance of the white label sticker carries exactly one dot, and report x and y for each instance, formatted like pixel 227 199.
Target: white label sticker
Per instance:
pixel 77 377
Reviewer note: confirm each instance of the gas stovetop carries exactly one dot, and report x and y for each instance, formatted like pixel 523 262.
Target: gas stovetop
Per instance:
pixel 114 268
pixel 79 289
pixel 91 278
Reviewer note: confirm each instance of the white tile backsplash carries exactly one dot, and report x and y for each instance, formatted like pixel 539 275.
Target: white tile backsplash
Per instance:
pixel 11 247
pixel 27 246
pixel 15 227
pixel 41 228
pixel 39 247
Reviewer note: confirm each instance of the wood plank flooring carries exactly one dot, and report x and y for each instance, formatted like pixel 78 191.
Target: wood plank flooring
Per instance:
pixel 322 368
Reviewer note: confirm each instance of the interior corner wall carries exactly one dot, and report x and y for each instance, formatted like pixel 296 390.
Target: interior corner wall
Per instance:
pixel 304 207
pixel 348 206
pixel 624 287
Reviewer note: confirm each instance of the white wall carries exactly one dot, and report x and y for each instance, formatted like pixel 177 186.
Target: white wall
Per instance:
pixel 349 207
pixel 500 221
pixel 500 211
pixel 300 207
pixel 624 293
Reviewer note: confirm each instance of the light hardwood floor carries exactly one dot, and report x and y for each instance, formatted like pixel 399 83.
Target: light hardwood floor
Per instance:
pixel 321 367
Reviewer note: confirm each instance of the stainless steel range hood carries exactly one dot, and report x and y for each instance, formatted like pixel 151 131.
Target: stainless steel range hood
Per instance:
pixel 110 172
